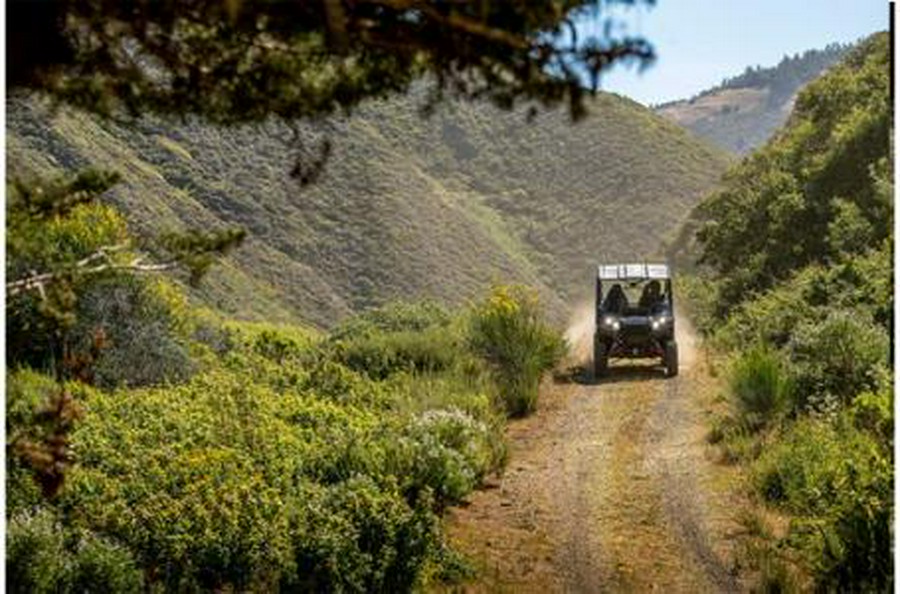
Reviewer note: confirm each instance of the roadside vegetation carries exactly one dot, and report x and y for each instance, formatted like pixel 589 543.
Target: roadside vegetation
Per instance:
pixel 155 445
pixel 797 287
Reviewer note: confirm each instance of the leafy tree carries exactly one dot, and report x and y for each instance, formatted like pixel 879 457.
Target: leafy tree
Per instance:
pixel 245 60
pixel 827 174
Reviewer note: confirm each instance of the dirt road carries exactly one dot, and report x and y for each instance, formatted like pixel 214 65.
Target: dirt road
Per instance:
pixel 610 487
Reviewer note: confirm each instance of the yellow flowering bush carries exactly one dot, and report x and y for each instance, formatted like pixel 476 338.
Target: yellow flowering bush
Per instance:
pixel 509 331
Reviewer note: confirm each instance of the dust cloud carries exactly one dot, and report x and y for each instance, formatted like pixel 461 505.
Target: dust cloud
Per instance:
pixel 686 337
pixel 580 334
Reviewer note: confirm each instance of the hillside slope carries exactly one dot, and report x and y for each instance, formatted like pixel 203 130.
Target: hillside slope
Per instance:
pixel 406 207
pixel 744 111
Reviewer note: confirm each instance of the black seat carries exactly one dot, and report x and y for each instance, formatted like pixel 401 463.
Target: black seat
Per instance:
pixel 651 295
pixel 616 302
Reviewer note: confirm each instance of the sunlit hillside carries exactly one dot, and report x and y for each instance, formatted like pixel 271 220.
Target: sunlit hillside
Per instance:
pixel 406 207
pixel 745 110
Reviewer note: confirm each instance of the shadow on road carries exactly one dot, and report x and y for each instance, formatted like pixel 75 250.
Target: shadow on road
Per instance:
pixel 621 372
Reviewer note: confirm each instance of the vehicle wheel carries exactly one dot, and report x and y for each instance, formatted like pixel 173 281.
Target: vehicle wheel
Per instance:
pixel 670 359
pixel 601 359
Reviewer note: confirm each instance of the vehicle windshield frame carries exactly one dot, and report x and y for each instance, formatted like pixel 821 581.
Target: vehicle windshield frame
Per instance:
pixel 633 289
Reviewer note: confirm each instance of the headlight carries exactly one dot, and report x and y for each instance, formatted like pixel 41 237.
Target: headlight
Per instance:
pixel 611 322
pixel 660 322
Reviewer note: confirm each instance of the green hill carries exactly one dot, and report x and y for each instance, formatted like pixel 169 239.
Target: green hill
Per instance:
pixel 406 208
pixel 744 111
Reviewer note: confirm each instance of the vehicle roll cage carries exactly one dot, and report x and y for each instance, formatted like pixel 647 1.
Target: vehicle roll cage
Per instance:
pixel 627 273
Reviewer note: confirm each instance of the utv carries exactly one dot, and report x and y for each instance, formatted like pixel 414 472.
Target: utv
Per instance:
pixel 634 315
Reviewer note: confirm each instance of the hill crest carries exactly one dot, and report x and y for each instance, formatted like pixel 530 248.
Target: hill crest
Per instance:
pixel 742 112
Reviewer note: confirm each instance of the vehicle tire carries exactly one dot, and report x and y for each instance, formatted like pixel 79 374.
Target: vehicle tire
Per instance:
pixel 601 359
pixel 670 358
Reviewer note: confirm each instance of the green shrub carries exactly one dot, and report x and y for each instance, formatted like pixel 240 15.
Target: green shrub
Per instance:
pixel 381 355
pixel 144 338
pixel 463 389
pixel 276 465
pixel 102 566
pixel 35 554
pixel 856 540
pixel 398 337
pixel 237 476
pixel 446 452
pixel 359 536
pixel 839 483
pixel 35 324
pixel 803 469
pixel 39 559
pixel 698 295
pixel 509 332
pixel 769 318
pixel 873 412
pixel 393 317
pixel 760 386
pixel 838 358
pixel 29 395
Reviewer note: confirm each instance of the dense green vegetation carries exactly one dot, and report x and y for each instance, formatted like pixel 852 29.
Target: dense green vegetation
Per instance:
pixel 248 61
pixel 743 112
pixel 406 207
pixel 155 445
pixel 798 286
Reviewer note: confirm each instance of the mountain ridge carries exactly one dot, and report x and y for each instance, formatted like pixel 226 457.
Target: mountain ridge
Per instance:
pixel 405 207
pixel 743 111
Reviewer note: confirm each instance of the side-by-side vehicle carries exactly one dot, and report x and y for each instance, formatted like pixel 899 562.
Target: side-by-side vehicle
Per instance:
pixel 634 315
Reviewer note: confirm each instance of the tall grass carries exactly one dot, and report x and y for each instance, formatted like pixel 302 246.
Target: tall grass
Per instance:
pixel 760 386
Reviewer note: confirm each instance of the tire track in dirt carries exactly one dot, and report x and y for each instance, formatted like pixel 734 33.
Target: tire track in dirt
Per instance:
pixel 611 487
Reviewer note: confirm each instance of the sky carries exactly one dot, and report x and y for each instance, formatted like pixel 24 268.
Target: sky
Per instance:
pixel 700 42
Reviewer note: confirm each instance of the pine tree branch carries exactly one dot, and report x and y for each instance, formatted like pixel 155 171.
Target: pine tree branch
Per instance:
pixel 86 267
pixel 458 22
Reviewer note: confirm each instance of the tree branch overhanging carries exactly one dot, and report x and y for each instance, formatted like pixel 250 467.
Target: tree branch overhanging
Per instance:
pixel 87 266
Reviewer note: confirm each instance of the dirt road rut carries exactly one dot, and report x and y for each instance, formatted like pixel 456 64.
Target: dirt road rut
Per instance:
pixel 611 487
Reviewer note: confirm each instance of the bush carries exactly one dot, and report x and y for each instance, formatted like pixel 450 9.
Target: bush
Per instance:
pixel 381 355
pixel 278 343
pixel 760 387
pixel 769 318
pixel 446 452
pixel 258 473
pixel 393 317
pixel 39 560
pixel 144 337
pixel 276 465
pixel 102 566
pixel 35 554
pixel 509 332
pixel 838 358
pixel 873 412
pixel 32 434
pixel 359 536
pixel 35 323
pixel 398 337
pixel 839 482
